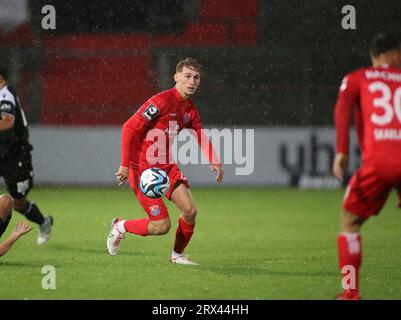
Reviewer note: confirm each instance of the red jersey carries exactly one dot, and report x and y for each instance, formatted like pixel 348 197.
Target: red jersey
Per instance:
pixel 148 135
pixel 374 95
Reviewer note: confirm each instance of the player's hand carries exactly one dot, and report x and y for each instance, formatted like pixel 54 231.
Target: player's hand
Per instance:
pixel 122 175
pixel 339 165
pixel 219 170
pixel 21 228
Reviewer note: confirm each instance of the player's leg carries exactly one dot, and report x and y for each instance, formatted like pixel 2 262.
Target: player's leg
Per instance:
pixel 144 226
pixel 19 181
pixel 365 196
pixel 28 209
pixel 182 197
pixel 6 207
pixel 157 223
pixel 350 253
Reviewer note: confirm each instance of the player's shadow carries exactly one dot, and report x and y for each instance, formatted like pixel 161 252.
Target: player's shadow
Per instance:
pixel 62 247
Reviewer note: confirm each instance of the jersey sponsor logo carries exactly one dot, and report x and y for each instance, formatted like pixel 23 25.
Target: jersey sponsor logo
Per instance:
pixel 154 210
pixel 173 128
pixel 151 112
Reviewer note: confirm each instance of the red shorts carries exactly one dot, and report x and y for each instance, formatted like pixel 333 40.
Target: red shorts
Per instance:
pixel 155 207
pixel 368 190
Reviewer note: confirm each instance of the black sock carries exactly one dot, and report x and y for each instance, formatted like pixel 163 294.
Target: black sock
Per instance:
pixel 32 212
pixel 4 224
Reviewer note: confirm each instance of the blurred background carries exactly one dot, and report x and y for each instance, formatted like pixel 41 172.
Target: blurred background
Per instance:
pixel 272 66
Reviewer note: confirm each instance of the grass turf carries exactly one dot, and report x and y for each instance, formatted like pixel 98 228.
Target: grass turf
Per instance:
pixel 251 243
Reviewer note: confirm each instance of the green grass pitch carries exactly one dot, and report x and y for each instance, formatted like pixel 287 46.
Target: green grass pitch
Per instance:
pixel 251 243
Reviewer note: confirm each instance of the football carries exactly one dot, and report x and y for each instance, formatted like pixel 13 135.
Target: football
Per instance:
pixel 154 182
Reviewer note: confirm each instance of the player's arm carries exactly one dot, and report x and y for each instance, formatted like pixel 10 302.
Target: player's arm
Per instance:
pixel 132 132
pixel 7 111
pixel 21 228
pixel 347 97
pixel 132 135
pixel 207 148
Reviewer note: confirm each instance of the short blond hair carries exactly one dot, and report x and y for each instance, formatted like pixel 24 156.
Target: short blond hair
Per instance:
pixel 190 64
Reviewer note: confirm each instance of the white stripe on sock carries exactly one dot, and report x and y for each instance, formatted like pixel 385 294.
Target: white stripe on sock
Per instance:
pixel 29 207
pixel 354 245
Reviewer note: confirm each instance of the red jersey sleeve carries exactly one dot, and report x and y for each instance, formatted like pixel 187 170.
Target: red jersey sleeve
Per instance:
pixel 132 133
pixel 135 129
pixel 348 97
pixel 203 141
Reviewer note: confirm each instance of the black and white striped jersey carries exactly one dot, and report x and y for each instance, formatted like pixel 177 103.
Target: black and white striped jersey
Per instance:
pixel 16 139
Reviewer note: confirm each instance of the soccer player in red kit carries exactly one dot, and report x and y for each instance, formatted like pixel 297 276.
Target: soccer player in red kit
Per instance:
pixel 373 94
pixel 168 113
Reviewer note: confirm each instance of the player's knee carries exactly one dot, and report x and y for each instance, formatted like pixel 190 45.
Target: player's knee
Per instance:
pixel 7 200
pixel 6 203
pixel 20 204
pixel 190 213
pixel 351 222
pixel 162 228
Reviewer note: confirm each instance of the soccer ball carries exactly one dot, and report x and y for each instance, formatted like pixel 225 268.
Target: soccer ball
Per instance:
pixel 154 183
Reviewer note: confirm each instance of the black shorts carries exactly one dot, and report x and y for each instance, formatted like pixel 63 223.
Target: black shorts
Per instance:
pixel 17 172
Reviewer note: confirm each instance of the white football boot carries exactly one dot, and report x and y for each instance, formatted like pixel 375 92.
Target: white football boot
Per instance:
pixel 45 230
pixel 182 259
pixel 114 238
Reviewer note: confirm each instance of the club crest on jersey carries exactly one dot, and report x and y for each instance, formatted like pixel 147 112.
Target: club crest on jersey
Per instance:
pixel 186 117
pixel 151 112
pixel 154 210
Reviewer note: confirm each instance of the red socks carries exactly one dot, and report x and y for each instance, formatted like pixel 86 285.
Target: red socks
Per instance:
pixel 350 258
pixel 182 235
pixel 139 226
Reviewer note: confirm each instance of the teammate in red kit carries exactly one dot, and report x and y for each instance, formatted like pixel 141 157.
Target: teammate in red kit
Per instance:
pixel 163 115
pixel 374 95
